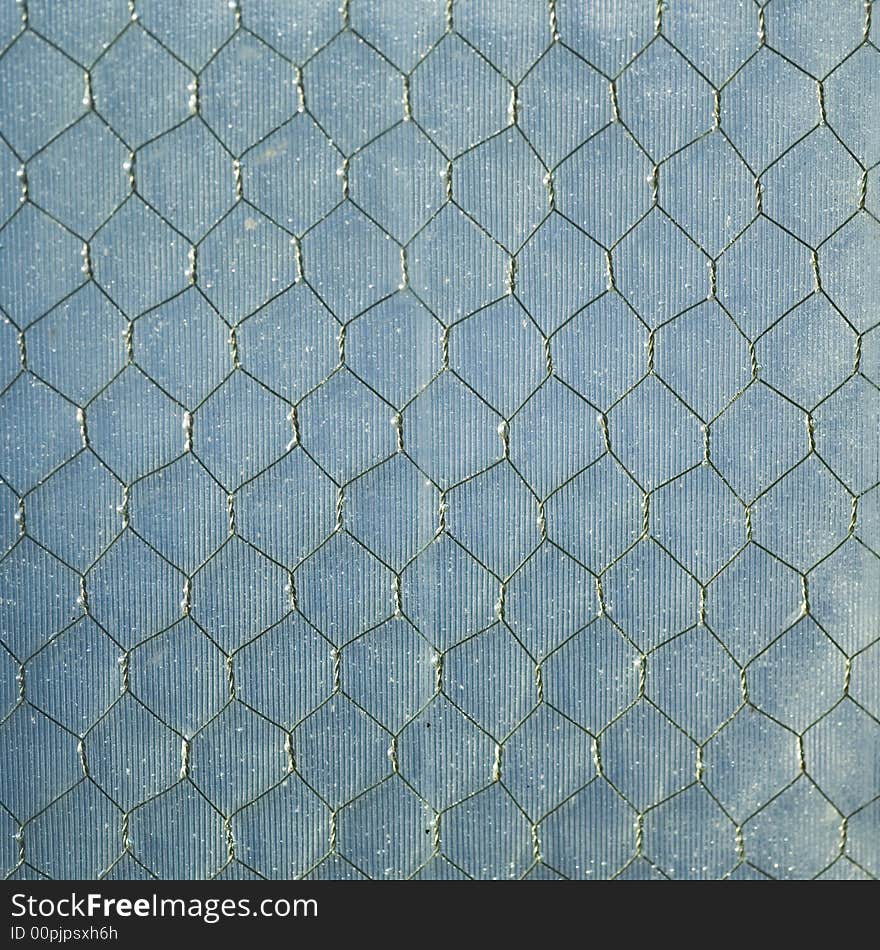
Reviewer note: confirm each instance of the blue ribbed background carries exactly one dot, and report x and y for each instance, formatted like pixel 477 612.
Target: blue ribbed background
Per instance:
pixel 439 439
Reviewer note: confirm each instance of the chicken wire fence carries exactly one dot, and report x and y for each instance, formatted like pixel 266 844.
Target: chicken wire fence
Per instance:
pixel 439 439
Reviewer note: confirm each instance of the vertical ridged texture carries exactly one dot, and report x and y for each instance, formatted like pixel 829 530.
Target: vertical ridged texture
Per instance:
pixel 439 440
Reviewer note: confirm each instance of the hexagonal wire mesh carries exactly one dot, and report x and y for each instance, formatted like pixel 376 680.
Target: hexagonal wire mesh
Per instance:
pixel 440 439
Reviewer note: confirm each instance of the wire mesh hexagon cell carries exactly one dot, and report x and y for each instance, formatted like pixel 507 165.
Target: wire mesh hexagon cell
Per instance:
pixel 440 439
